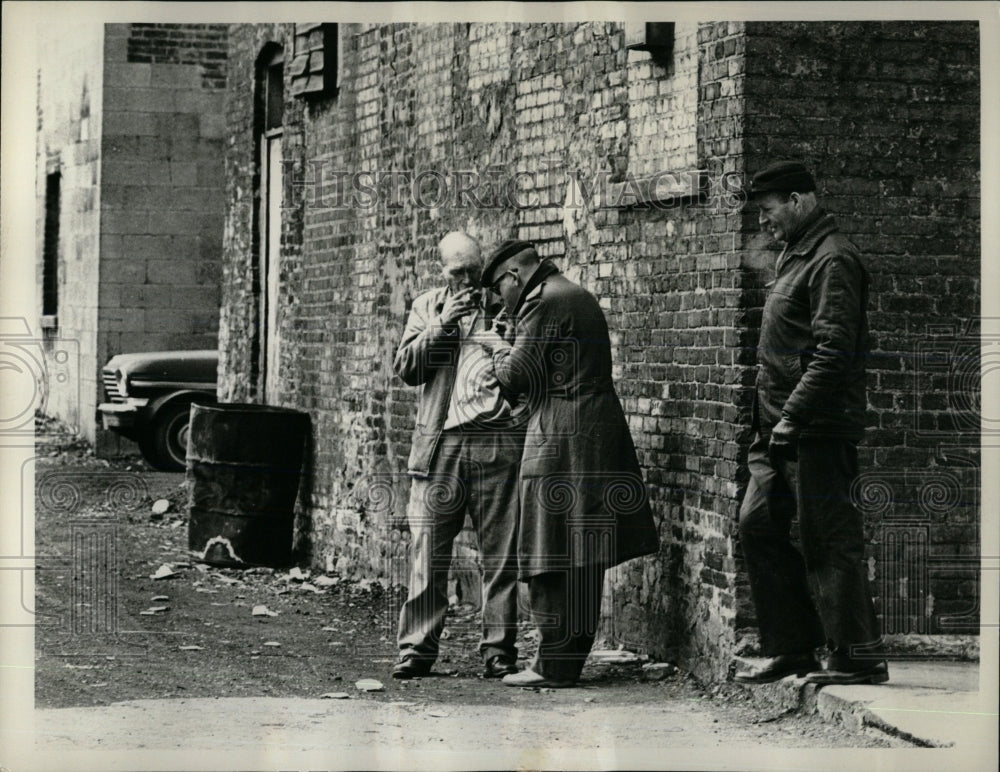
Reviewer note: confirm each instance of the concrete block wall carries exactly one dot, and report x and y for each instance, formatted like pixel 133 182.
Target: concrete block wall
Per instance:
pixel 132 117
pixel 550 105
pixel 70 91
pixel 162 202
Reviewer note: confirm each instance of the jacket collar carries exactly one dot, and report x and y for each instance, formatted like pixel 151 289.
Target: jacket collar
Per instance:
pixel 545 269
pixel 816 227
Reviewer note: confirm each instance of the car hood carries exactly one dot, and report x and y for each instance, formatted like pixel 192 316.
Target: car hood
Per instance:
pixel 173 365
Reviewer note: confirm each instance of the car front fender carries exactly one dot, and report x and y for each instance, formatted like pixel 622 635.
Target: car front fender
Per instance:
pixel 183 395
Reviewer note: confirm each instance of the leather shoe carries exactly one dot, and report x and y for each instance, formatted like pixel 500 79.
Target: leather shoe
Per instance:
pixel 411 667
pixel 872 674
pixel 779 667
pixel 529 677
pixel 498 666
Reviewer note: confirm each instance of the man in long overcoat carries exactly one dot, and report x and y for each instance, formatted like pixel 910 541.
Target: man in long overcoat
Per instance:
pixel 583 501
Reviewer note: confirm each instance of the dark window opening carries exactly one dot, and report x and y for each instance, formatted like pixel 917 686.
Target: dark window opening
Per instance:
pixel 274 92
pixel 50 247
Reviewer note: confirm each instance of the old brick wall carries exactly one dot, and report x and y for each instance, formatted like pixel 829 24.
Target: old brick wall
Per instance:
pixel 888 115
pixel 70 96
pixel 567 114
pixel 570 119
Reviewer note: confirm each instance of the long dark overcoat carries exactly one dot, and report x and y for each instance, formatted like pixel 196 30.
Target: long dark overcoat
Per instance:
pixel 583 500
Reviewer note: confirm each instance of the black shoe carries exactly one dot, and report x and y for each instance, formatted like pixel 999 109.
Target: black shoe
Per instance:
pixel 841 674
pixel 411 667
pixel 499 665
pixel 779 667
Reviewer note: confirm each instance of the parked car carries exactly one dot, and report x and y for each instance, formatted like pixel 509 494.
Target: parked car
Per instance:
pixel 149 397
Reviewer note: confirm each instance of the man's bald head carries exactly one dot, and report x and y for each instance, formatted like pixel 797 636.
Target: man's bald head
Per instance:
pixel 461 260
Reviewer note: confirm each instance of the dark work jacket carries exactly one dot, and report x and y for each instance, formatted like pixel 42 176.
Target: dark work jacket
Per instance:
pixel 583 500
pixel 814 336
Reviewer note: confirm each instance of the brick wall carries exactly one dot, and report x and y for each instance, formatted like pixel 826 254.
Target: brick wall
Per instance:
pixel 888 114
pixel 202 46
pixel 576 117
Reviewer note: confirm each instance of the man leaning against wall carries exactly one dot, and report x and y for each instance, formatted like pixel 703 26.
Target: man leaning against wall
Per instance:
pixel 809 414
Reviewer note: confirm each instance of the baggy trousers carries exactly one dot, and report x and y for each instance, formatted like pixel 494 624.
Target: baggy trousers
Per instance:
pixel 820 595
pixel 474 473
pixel 566 609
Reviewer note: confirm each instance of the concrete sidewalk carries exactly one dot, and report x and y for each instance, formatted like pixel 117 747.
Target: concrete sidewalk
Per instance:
pixel 933 704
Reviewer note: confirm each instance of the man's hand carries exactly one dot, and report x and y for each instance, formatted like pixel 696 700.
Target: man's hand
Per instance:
pixel 458 305
pixel 784 441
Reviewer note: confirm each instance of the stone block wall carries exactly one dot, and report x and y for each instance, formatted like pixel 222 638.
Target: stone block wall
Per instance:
pixel 132 117
pixel 162 190
pixel 70 98
pixel 162 193
pixel 544 132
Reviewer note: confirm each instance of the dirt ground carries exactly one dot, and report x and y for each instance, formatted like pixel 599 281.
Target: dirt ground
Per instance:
pixel 109 632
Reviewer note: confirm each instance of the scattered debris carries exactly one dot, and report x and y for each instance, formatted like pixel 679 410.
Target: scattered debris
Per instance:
pixel 160 597
pixel 438 713
pixel 296 575
pixel 335 696
pixel 160 508
pixel 326 581
pixel 189 648
pixel 153 610
pixel 226 579
pixel 312 587
pixel 657 671
pixel 369 685
pixel 163 572
pixel 263 611
pixel 270 643
pixel 617 657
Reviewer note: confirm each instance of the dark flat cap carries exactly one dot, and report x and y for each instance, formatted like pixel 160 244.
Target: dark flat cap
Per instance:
pixel 504 251
pixel 782 177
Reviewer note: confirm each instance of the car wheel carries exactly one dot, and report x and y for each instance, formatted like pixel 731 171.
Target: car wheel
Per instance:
pixel 165 444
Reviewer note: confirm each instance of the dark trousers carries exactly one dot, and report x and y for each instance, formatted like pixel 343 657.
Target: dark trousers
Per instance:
pixel 820 595
pixel 566 609
pixel 474 473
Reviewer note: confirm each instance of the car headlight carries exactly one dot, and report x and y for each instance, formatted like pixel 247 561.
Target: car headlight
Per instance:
pixel 121 379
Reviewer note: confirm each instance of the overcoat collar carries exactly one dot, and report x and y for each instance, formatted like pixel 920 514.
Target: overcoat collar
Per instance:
pixel 545 269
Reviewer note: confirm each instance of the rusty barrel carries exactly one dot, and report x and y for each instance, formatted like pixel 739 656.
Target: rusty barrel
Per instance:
pixel 244 464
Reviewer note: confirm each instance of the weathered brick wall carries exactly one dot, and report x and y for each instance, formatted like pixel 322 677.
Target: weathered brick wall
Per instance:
pixel 70 91
pixel 200 45
pixel 888 115
pixel 568 111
